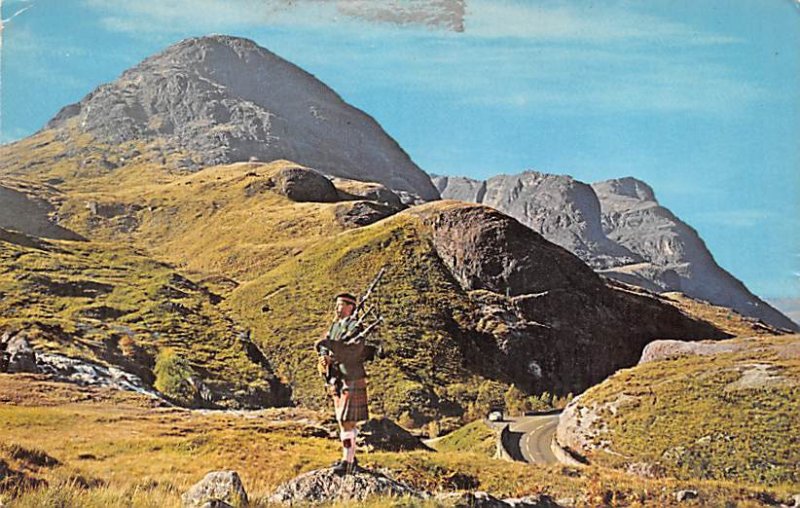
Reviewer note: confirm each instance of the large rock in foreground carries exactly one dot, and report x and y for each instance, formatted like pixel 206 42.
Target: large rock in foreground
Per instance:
pixel 323 485
pixel 217 489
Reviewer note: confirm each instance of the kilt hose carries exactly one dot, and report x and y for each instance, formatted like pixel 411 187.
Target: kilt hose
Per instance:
pixel 351 405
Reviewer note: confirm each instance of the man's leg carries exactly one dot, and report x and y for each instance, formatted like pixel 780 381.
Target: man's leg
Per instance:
pixel 348 435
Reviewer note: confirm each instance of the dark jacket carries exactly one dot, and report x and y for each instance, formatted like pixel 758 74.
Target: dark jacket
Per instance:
pixel 349 357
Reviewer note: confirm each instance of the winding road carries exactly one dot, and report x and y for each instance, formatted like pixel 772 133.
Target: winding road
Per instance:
pixel 528 438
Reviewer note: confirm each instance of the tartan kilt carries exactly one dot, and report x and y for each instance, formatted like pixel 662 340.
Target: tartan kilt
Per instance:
pixel 351 405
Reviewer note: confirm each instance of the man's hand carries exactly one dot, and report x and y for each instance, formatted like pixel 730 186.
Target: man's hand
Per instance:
pixel 323 363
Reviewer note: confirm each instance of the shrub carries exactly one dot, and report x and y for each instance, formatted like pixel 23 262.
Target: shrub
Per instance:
pixel 173 377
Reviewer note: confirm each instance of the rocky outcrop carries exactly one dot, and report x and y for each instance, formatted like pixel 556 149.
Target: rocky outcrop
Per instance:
pixel 676 258
pixel 30 215
pixel 324 485
pixel 546 320
pixel 486 249
pixel 303 184
pixel 385 435
pixel 352 189
pixel 16 354
pixel 667 349
pixel 560 208
pixel 617 228
pixel 218 489
pixel 224 99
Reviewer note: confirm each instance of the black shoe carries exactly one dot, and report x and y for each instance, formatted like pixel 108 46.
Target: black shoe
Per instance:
pixel 343 467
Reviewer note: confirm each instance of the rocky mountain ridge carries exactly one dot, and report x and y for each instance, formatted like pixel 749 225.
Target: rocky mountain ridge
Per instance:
pixel 618 228
pixel 224 99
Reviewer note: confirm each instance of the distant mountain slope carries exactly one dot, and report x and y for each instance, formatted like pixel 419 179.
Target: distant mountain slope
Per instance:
pixel 224 99
pixel 26 213
pixel 678 259
pixel 562 209
pixel 617 228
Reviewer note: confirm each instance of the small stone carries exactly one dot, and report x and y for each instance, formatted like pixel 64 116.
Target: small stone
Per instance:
pixel 218 489
pixel 537 501
pixel 685 495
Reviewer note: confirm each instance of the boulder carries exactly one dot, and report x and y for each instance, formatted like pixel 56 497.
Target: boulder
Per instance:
pixel 19 355
pixel 324 485
pixel 685 495
pixel 216 489
pixel 660 350
pixel 362 213
pixel 302 184
pixel 371 191
pixel 384 434
pixel 486 249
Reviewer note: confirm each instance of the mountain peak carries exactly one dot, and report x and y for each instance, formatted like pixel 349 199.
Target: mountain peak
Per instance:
pixel 224 99
pixel 627 187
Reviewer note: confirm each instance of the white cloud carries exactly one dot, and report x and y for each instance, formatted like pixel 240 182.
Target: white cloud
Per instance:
pixel 145 17
pixel 554 22
pixel 742 218
pixel 566 22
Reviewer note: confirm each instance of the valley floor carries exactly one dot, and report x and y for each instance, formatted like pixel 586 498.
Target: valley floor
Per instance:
pixel 64 445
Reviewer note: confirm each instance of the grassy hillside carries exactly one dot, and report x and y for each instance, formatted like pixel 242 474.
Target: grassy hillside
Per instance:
pixel 273 264
pixel 424 309
pixel 96 448
pixel 731 415
pixel 115 306
pixel 476 437
pixel 218 221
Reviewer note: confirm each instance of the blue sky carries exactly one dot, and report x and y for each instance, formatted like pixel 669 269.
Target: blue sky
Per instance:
pixel 699 98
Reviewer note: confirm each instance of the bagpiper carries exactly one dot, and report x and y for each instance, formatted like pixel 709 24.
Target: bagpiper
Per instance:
pixel 342 366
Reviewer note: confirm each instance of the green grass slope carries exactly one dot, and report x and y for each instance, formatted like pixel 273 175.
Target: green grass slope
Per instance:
pixel 730 415
pixel 476 437
pixel 215 221
pixel 425 311
pixel 110 304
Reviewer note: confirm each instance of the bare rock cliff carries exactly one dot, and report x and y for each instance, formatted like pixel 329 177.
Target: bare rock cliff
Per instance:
pixel 618 228
pixel 225 99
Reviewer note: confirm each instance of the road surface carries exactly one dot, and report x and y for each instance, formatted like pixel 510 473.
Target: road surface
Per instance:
pixel 530 436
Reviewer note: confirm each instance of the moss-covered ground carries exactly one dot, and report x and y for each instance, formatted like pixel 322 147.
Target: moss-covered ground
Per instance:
pixel 731 416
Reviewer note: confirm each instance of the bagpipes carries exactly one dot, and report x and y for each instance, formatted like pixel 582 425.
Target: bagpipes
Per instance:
pixel 358 333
